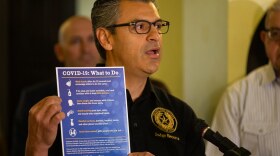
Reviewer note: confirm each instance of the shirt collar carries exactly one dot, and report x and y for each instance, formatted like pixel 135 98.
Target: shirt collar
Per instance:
pixel 151 91
pixel 146 93
pixel 269 74
pixel 148 90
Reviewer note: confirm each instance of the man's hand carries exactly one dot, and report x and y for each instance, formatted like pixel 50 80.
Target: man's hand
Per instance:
pixel 43 121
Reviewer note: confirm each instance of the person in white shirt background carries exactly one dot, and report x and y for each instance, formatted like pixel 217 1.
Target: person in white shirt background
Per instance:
pixel 249 110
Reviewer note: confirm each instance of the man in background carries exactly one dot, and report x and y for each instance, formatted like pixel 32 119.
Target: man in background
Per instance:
pixel 249 111
pixel 75 48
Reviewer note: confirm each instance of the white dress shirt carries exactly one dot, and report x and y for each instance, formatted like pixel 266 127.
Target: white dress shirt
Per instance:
pixel 249 114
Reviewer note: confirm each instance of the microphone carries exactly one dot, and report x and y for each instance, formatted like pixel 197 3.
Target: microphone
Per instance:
pixel 224 144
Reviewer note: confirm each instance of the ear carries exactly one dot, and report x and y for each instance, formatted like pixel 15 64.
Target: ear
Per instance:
pixel 59 52
pixel 104 38
pixel 263 35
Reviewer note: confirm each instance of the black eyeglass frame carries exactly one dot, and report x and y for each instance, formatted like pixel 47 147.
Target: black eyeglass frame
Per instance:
pixel 134 23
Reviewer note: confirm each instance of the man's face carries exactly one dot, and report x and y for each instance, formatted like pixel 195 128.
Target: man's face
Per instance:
pixel 77 47
pixel 272 42
pixel 138 53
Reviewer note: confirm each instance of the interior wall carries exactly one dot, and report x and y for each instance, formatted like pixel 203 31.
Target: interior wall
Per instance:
pixel 171 68
pixel 205 54
pixel 217 37
pixel 240 32
pixel 83 7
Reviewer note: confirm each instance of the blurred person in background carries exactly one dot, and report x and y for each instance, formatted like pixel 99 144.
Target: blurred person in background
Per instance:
pixel 75 48
pixel 249 111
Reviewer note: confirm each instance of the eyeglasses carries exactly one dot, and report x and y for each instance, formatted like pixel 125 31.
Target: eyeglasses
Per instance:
pixel 144 27
pixel 273 34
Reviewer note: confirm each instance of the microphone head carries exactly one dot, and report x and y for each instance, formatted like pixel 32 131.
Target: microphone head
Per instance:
pixel 201 127
pixel 205 132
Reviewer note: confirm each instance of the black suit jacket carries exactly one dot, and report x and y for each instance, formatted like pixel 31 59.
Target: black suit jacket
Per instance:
pixel 29 97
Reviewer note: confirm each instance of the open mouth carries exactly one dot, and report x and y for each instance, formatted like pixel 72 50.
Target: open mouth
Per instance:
pixel 153 51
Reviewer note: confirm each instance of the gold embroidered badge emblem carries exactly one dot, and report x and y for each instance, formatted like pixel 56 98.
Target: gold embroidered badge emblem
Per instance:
pixel 164 120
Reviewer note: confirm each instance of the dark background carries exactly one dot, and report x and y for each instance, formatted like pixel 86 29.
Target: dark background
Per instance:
pixel 28 31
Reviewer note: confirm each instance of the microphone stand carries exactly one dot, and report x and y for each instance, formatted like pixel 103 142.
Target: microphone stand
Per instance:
pixel 237 151
pixel 223 143
pixel 228 147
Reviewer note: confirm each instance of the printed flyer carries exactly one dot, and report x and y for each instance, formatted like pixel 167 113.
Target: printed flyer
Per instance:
pixel 94 101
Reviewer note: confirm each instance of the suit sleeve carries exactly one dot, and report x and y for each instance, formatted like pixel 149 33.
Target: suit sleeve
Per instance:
pixel 20 126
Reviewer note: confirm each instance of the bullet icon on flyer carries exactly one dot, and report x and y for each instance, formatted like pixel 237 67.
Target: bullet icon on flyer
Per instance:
pixel 72 132
pixel 68 83
pixel 71 122
pixel 70 112
pixel 69 92
pixel 70 102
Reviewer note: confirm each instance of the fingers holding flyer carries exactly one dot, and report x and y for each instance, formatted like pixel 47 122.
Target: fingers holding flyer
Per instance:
pixel 43 120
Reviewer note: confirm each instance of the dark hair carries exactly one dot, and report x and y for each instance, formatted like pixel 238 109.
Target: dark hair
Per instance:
pixel 105 13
